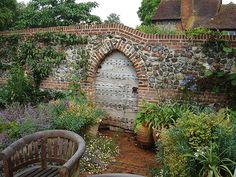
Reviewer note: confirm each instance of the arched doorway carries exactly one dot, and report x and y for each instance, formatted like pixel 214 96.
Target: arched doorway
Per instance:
pixel 116 90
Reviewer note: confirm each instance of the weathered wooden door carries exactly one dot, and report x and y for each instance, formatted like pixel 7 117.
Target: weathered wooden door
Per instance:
pixel 116 90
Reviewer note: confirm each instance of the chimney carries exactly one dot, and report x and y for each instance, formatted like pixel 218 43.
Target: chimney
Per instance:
pixel 186 11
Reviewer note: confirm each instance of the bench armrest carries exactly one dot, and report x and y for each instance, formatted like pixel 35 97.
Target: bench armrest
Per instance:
pixel 73 163
pixel 10 150
pixel 7 164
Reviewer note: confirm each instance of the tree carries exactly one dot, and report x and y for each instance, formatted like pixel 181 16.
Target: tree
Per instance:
pixel 147 10
pixel 46 13
pixel 113 18
pixel 7 13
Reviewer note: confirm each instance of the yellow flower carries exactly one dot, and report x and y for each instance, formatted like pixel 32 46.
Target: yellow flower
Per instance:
pixel 54 102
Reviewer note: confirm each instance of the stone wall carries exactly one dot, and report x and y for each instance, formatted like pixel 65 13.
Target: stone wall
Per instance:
pixel 160 61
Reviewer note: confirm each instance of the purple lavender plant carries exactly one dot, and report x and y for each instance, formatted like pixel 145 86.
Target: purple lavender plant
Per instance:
pixel 4 141
pixel 14 112
pixel 40 115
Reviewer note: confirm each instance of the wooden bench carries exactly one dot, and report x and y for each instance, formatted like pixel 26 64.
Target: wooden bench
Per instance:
pixel 53 153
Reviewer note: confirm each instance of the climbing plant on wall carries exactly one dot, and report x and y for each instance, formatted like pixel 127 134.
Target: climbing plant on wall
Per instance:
pixel 37 54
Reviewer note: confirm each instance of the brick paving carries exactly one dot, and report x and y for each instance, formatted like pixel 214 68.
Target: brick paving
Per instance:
pixel 131 159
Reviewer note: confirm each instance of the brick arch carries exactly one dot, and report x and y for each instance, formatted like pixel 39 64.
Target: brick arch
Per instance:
pixel 126 49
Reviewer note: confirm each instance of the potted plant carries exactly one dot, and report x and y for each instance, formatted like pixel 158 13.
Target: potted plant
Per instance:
pixel 156 128
pixel 143 121
pixel 165 117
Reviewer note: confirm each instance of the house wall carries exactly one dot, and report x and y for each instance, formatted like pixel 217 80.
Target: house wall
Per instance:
pixel 160 61
pixel 169 24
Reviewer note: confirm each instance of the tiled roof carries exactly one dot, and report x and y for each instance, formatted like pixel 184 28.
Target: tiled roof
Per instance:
pixel 168 10
pixel 206 8
pixel 225 19
pixel 206 13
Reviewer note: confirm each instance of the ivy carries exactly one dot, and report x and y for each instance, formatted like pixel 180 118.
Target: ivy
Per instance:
pixel 8 50
pixel 38 53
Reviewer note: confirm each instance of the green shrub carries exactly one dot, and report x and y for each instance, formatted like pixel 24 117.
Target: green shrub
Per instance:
pixel 20 88
pixel 17 130
pixel 17 89
pixel 168 113
pixel 148 112
pixel 199 31
pixel 75 115
pixel 70 121
pixel 212 163
pixel 193 134
pixel 164 115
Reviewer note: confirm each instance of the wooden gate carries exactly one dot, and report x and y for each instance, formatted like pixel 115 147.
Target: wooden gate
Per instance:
pixel 116 90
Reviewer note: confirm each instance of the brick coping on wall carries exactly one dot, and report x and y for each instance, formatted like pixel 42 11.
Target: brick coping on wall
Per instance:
pixel 119 29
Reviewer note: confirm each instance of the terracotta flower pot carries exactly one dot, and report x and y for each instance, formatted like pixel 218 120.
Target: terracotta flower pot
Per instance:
pixel 145 137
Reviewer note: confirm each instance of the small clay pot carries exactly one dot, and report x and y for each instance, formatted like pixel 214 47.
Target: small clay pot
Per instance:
pixel 145 137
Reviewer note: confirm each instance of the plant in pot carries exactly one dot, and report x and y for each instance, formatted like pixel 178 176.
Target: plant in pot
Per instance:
pixel 165 116
pixel 143 123
pixel 161 120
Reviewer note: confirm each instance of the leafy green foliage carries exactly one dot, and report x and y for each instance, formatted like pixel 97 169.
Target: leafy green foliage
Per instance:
pixel 198 31
pixel 7 13
pixel 36 55
pixel 76 115
pixel 17 130
pixel 156 29
pixel 230 50
pixel 201 145
pixel 220 82
pixel 74 90
pixel 40 60
pixel 113 18
pixel 8 50
pixel 213 165
pixel 164 115
pixel 17 121
pixel 46 13
pixel 168 113
pixel 147 10
pixel 148 112
pixel 17 89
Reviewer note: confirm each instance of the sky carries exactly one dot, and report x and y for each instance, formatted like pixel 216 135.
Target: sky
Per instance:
pixel 127 9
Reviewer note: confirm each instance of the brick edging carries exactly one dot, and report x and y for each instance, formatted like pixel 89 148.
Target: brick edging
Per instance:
pixel 120 29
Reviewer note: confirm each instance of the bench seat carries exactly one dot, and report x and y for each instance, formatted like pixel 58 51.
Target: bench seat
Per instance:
pixel 39 172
